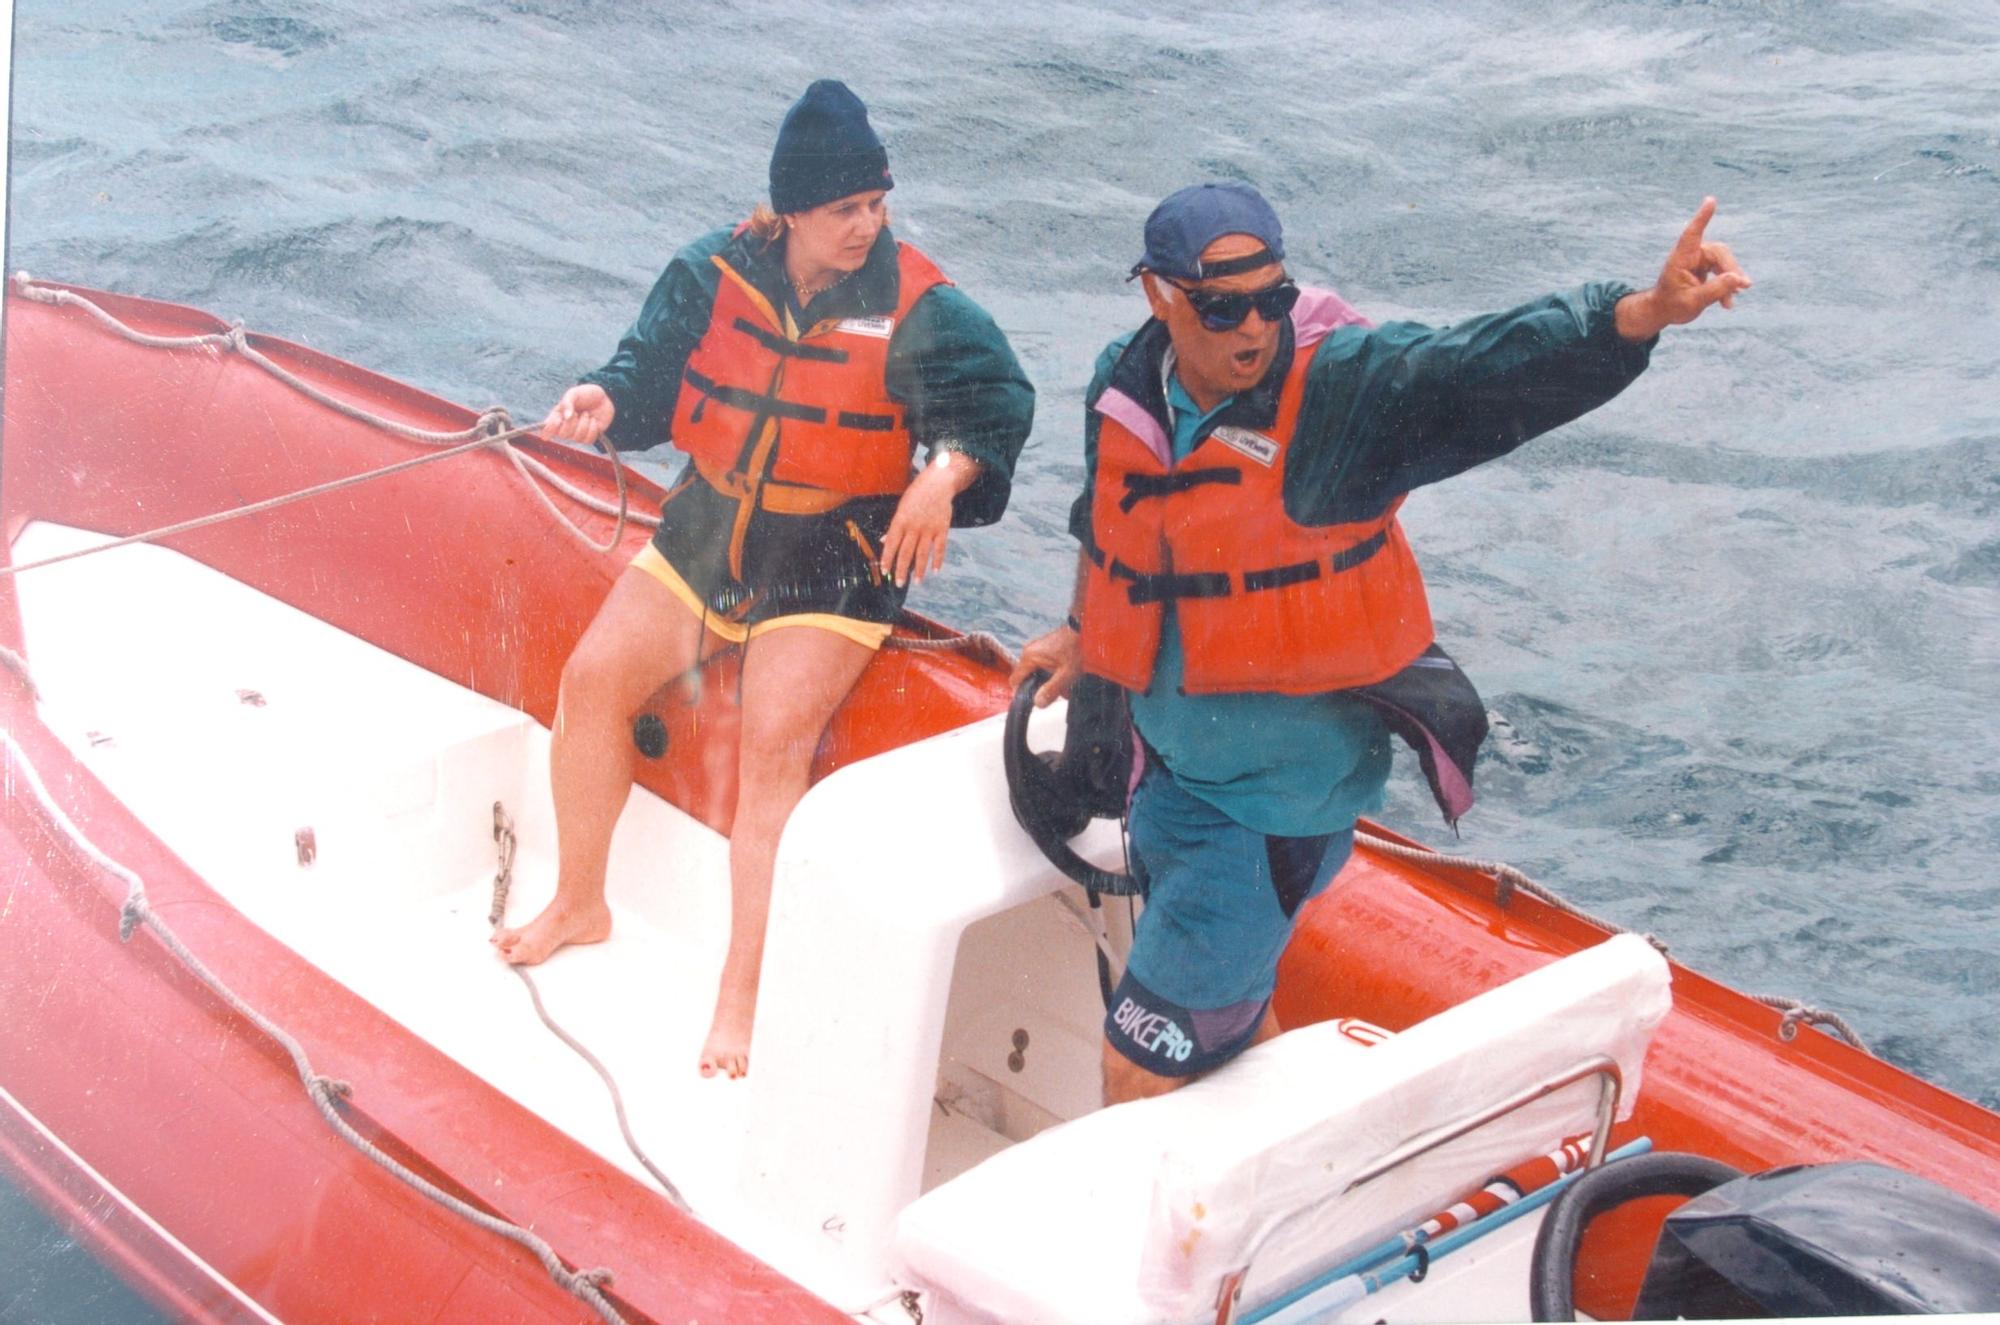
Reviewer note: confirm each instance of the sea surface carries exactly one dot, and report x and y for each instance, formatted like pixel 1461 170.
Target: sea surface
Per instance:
pixel 1740 629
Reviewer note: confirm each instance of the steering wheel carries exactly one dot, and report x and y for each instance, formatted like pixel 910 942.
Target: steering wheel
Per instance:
pixel 1552 1274
pixel 1043 802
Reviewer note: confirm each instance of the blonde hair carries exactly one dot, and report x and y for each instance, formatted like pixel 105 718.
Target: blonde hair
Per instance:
pixel 764 223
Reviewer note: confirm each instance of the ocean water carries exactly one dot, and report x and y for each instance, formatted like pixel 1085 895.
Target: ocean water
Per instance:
pixel 1741 626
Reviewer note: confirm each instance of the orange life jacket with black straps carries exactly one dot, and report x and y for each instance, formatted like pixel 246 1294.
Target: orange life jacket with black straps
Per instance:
pixel 759 402
pixel 1264 603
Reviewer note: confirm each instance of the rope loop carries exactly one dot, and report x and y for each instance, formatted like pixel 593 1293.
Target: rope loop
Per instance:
pixel 328 1090
pixel 131 915
pixel 1796 1012
pixel 495 420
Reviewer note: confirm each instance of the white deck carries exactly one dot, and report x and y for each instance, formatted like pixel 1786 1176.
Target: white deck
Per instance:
pixel 900 966
pixel 864 1089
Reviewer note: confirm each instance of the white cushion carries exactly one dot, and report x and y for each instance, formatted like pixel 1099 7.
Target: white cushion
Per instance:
pixel 1134 1214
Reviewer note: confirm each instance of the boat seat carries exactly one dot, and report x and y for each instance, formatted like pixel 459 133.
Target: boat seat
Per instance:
pixel 1140 1213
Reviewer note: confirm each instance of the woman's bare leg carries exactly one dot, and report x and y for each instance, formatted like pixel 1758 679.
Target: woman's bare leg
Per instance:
pixel 793 680
pixel 641 638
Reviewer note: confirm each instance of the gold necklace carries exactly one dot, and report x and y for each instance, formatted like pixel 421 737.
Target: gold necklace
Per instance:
pixel 807 293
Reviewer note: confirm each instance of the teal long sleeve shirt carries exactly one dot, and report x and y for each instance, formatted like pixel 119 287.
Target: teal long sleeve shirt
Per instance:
pixel 949 364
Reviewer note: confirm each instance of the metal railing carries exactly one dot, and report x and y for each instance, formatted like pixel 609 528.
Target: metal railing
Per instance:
pixel 1611 1084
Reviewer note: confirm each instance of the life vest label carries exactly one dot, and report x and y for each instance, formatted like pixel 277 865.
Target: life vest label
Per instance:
pixel 1262 449
pixel 881 328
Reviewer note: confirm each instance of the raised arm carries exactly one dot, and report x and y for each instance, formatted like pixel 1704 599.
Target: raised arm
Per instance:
pixel 1405 405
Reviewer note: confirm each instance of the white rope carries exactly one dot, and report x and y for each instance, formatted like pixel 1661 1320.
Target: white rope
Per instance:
pixel 203 521
pixel 1510 880
pixel 503 883
pixel 1796 1012
pixel 324 1092
pixel 18 665
pixel 494 426
pixel 977 645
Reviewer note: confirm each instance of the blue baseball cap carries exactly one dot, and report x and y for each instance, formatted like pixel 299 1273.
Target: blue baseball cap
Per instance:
pixel 1190 219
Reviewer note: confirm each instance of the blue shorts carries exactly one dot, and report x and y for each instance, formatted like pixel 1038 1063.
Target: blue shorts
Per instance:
pixel 1221 900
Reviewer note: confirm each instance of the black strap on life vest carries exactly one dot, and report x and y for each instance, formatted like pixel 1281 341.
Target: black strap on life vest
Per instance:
pixel 753 401
pixel 1277 577
pixel 1142 588
pixel 1349 558
pixel 1141 486
pixel 786 409
pixel 792 349
pixel 1161 588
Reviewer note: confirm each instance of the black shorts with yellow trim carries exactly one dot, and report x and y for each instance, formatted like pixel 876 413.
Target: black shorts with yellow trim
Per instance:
pixel 821 570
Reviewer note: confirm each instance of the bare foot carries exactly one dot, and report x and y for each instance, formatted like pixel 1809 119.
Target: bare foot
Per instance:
pixel 728 1048
pixel 557 926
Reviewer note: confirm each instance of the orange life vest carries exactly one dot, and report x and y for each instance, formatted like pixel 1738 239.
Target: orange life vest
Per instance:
pixel 1264 603
pixel 759 401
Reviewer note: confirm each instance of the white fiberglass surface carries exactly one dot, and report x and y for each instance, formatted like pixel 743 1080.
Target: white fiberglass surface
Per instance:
pixel 343 799
pixel 237 727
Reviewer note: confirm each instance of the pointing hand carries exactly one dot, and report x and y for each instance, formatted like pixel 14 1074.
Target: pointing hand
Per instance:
pixel 1697 275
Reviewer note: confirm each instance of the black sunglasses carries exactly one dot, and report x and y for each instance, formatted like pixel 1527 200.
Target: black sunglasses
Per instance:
pixel 1225 312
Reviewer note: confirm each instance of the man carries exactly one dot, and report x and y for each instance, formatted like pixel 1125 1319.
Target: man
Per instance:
pixel 1244 578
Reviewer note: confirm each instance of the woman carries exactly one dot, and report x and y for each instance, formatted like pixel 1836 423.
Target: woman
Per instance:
pixel 799 359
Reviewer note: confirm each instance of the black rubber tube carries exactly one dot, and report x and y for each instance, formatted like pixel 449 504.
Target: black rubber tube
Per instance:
pixel 1552 1273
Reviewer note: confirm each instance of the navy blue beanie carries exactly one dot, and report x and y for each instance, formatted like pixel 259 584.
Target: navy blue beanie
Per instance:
pixel 826 150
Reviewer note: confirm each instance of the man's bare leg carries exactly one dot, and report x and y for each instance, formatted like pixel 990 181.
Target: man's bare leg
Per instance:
pixel 640 638
pixel 793 680
pixel 1125 1080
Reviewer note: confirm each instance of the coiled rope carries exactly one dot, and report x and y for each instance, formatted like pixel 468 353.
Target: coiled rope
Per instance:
pixel 325 1092
pixel 1796 1012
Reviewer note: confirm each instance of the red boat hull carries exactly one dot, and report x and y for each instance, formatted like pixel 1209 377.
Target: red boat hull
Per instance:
pixel 201 1123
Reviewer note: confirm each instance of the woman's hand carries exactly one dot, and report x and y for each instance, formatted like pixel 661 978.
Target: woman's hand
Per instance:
pixel 1060 654
pixel 582 415
pixel 921 526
